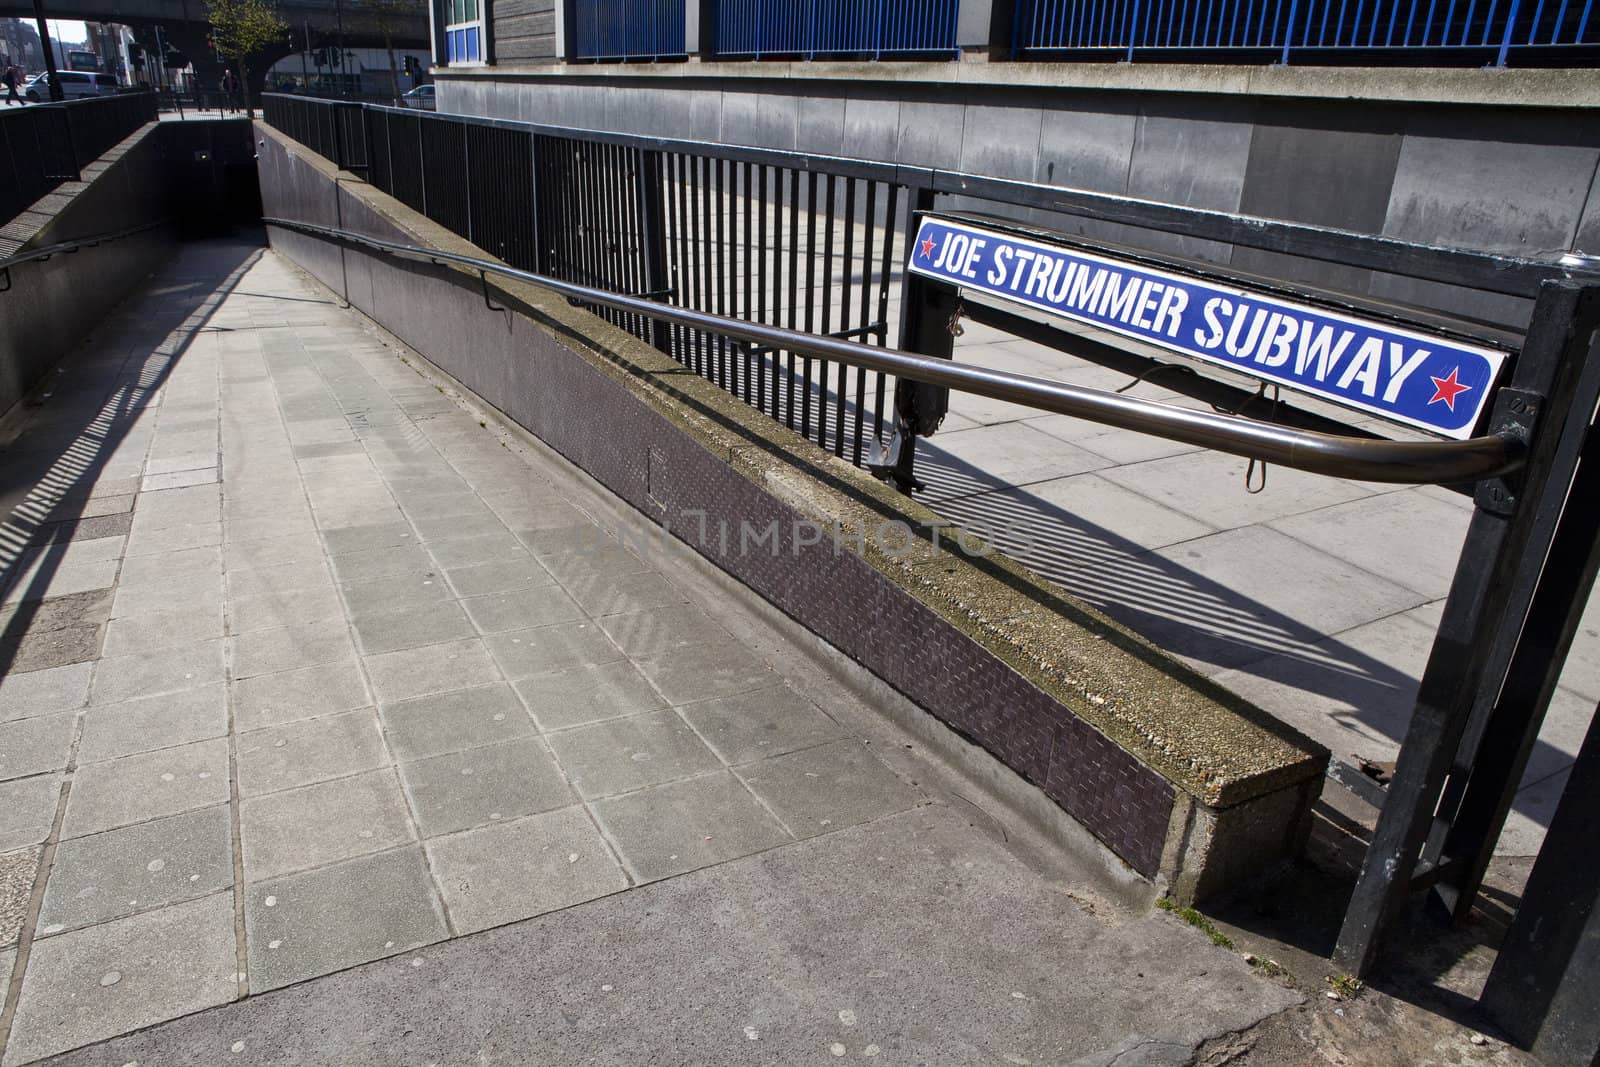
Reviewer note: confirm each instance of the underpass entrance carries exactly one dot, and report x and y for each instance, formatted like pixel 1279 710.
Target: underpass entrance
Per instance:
pixel 1525 570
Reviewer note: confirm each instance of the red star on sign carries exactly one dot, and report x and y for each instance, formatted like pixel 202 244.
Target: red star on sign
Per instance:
pixel 927 247
pixel 1447 389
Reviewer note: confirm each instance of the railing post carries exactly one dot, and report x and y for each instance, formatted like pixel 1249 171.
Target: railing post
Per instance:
pixel 1505 38
pixel 926 307
pixel 1507 541
pixel 652 219
pixel 466 166
pixel 1133 28
pixel 1288 33
pixel 72 143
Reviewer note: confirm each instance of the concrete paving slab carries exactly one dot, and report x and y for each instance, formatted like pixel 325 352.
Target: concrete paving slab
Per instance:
pixel 925 970
pixel 310 750
pixel 704 672
pixel 156 631
pixel 502 873
pixel 483 785
pixel 166 721
pixel 605 594
pixel 36 745
pixel 410 628
pixel 174 538
pixel 450 722
pixel 620 755
pixel 380 562
pixel 368 536
pixel 1280 580
pixel 28 810
pixel 303 575
pixel 761 723
pixel 414 590
pixel 271 699
pixel 521 653
pixel 542 605
pixel 656 631
pixel 416 672
pixel 41 692
pixel 818 790
pixel 500 576
pixel 483 548
pixel 105 980
pixel 325 920
pixel 581 695
pixel 320 824
pixel 145 786
pixel 669 829
pixel 137 868
pixel 292 647
pixel 119 678
pixel 273 610
pixel 242 554
pixel 152 570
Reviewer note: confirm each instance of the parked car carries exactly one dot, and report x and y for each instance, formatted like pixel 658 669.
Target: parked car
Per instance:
pixel 420 97
pixel 74 85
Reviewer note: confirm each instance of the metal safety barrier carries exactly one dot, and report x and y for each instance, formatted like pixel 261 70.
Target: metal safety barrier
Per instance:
pixel 764 28
pixel 43 145
pixel 1531 31
pixel 628 29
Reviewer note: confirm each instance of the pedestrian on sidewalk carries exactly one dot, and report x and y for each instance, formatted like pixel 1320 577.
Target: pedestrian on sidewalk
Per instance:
pixel 230 88
pixel 10 78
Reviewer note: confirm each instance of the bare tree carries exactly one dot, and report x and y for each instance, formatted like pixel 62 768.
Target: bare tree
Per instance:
pixel 386 16
pixel 240 29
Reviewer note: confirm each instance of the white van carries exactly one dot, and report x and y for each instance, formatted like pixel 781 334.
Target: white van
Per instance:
pixel 75 84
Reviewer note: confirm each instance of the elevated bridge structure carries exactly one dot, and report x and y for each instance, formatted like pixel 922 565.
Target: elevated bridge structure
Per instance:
pixel 184 25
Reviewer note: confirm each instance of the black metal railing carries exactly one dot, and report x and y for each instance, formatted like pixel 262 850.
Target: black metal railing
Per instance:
pixel 330 128
pixel 43 145
pixel 811 246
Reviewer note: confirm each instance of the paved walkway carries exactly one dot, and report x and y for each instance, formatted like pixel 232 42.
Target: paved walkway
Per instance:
pixel 304 668
pixel 1317 598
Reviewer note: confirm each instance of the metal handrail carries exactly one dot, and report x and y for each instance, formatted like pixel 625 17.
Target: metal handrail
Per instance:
pixel 1362 459
pixel 65 247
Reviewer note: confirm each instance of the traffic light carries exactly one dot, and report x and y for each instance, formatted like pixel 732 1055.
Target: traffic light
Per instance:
pixel 334 56
pixel 411 66
pixel 320 57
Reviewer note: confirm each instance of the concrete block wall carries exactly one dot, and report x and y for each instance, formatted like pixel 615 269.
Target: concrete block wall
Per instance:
pixel 1519 180
pixel 52 304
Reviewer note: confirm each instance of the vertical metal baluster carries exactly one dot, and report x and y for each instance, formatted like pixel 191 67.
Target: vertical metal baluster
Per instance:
pixel 891 226
pixel 811 296
pixel 762 172
pixel 680 271
pixel 794 285
pixel 844 311
pixel 869 214
pixel 721 247
pixel 746 199
pixel 697 167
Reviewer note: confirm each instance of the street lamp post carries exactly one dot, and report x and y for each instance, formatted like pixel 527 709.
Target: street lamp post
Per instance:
pixel 49 50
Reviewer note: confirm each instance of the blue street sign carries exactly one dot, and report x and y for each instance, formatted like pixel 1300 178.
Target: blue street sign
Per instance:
pixel 1433 383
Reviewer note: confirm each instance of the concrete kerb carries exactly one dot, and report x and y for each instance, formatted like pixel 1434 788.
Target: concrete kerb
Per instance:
pixel 1229 787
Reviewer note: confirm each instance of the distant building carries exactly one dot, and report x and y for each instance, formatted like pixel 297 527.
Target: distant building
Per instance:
pixel 19 44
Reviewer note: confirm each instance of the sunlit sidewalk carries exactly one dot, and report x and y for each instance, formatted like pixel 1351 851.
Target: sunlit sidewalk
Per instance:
pixel 305 667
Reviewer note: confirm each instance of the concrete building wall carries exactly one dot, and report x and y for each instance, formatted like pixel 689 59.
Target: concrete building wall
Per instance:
pixel 1493 177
